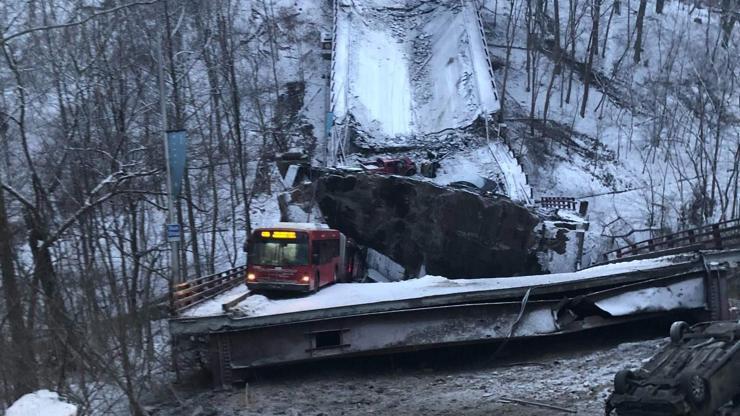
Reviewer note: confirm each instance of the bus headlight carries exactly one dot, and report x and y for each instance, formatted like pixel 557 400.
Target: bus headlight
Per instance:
pixel 305 279
pixel 251 276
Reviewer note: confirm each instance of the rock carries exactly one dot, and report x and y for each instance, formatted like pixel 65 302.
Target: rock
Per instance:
pixel 449 232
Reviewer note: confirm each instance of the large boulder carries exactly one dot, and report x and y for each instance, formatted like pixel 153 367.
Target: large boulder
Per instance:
pixel 426 227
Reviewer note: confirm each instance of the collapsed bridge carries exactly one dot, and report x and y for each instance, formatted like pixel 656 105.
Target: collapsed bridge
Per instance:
pixel 381 88
pixel 237 331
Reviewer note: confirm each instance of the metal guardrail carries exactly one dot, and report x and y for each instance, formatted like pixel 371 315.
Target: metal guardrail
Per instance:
pixel 722 235
pixel 477 8
pixel 337 141
pixel 195 291
pixel 561 202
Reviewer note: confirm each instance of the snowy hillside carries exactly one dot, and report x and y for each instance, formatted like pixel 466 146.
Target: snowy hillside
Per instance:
pixel 633 107
pixel 656 146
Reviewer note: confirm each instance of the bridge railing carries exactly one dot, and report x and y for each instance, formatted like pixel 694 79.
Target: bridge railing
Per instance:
pixel 561 202
pixel 564 202
pixel 722 235
pixel 195 291
pixel 481 29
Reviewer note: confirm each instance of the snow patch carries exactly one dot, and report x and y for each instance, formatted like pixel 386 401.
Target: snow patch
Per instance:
pixel 350 294
pixel 41 403
pixel 683 295
pixel 213 306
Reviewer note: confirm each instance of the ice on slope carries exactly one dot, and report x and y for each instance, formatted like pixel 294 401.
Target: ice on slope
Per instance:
pixel 380 62
pixel 494 161
pixel 408 72
pixel 41 403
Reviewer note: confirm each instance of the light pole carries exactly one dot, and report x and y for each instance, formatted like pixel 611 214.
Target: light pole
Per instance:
pixel 173 228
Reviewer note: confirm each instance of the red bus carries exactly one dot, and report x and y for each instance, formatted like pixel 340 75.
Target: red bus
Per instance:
pixel 299 257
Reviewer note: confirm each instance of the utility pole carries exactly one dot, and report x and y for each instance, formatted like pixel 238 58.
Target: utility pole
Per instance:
pixel 173 228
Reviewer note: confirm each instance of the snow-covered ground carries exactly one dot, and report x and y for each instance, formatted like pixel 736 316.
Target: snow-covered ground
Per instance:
pixel 576 375
pixel 346 294
pixel 41 403
pixel 213 306
pixel 411 70
pixel 493 161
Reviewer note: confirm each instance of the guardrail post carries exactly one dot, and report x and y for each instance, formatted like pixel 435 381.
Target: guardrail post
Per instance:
pixel 717 236
pixel 580 236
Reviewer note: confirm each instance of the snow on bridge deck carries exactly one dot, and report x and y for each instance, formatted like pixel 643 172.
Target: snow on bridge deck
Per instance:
pixel 355 294
pixel 417 69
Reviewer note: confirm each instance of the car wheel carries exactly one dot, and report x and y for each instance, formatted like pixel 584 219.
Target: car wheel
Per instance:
pixel 678 329
pixel 411 172
pixel 695 387
pixel 622 381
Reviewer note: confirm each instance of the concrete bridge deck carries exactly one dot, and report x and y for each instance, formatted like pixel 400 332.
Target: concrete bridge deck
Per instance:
pixel 351 319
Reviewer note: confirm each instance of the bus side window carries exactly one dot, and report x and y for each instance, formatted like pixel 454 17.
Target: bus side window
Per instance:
pixel 316 252
pixel 324 251
pixel 330 250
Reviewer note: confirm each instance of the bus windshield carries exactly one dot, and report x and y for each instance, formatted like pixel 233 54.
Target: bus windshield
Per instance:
pixel 279 253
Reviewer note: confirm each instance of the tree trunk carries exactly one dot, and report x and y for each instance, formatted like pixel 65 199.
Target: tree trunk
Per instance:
pixel 572 6
pixel 227 49
pixel 22 369
pixel 606 34
pixel 659 6
pixel 191 223
pixel 639 24
pixel 728 19
pixel 595 15
pixel 557 57
pixel 511 21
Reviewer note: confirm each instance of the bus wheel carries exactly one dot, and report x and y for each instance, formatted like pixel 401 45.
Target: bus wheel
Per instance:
pixel 317 283
pixel 336 273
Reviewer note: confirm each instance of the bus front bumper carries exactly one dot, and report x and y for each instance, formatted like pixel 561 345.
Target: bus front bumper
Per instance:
pixel 281 286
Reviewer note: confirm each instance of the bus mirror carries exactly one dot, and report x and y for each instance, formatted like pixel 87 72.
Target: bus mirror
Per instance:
pixel 245 247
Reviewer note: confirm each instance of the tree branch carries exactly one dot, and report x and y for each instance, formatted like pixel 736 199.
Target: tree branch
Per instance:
pixel 115 179
pixel 17 195
pixel 75 23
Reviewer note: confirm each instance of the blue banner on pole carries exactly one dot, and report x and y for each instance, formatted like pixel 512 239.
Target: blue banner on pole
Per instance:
pixel 176 149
